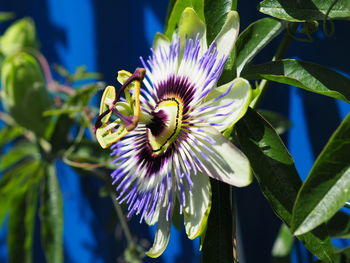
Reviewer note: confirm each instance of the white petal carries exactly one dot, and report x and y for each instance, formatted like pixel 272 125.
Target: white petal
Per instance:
pixel 154 219
pixel 220 159
pixel 227 36
pixel 226 104
pixel 162 235
pixel 151 220
pixel 198 206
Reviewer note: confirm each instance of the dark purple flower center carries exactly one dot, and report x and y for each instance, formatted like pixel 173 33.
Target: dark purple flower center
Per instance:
pixel 157 124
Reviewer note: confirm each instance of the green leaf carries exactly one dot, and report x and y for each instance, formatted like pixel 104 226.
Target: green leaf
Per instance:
pixel 169 11
pixel 305 75
pixel 175 11
pixel 254 38
pixel 271 162
pixel 218 245
pixel 282 247
pixel 18 153
pixel 70 110
pixel 306 10
pixel 8 134
pixel 280 123
pixel 17 180
pixel 83 95
pixel 339 225
pixel 215 13
pixel 4 208
pixel 58 133
pixel 327 187
pixel 4 16
pixel 21 225
pixel 275 171
pixel 81 73
pixel 341 256
pixel 134 254
pixel 90 153
pixel 51 216
pixel 62 71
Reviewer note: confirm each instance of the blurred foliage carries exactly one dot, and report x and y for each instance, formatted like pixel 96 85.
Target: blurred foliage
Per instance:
pixel 44 120
pixel 25 96
pixel 20 36
pixel 282 247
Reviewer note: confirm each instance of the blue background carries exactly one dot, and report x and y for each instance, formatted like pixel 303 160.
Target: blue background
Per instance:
pixel 107 36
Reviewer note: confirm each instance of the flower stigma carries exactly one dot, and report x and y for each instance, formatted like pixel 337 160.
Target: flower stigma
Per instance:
pixel 128 112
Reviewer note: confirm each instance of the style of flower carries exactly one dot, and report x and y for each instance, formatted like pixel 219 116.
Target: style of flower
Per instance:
pixel 167 137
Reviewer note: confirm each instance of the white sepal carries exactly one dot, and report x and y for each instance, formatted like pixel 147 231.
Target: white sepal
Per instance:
pixel 236 94
pixel 198 206
pixel 227 36
pixel 162 237
pixel 191 26
pixel 221 160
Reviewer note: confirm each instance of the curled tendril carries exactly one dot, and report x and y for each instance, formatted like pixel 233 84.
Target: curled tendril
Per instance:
pixel 308 34
pixel 327 21
pixel 310 27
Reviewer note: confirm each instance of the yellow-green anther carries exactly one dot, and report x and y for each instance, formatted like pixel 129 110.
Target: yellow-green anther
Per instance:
pixel 20 35
pixel 24 93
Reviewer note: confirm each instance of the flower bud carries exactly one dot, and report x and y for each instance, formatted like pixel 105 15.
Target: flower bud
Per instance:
pixel 24 93
pixel 19 36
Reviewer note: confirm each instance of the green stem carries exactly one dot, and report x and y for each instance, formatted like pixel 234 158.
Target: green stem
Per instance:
pixel 7 119
pixel 117 206
pixel 122 220
pixel 280 53
pixel 77 140
pixel 219 241
pixel 234 223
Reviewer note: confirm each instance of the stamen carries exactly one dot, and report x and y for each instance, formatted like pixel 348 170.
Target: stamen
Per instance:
pixel 170 204
pixel 138 75
pixel 98 122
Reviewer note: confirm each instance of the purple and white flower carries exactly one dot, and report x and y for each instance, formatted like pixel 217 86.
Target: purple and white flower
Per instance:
pixel 176 141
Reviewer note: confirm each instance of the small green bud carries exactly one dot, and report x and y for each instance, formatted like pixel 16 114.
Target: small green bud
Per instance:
pixel 24 92
pixel 19 36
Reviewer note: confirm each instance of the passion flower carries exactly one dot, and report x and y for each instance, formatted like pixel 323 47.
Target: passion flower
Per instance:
pixel 167 136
